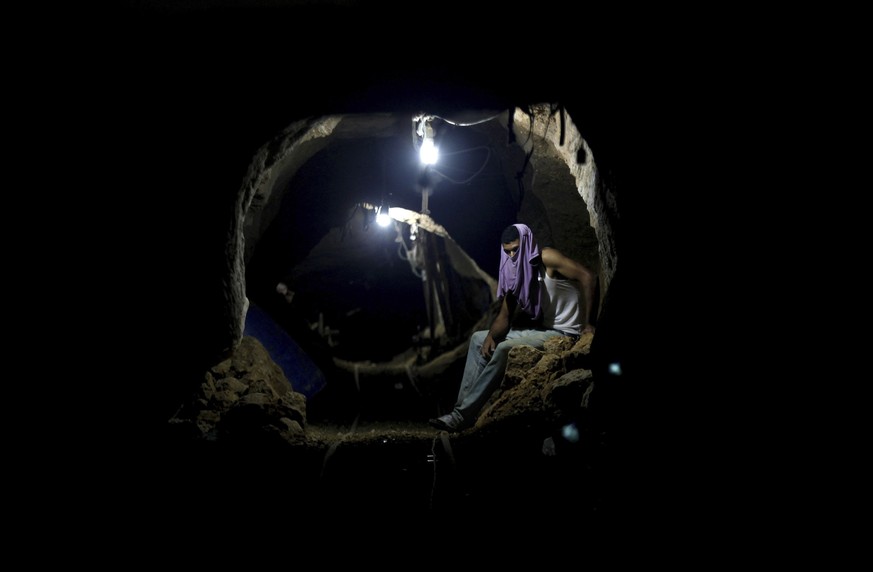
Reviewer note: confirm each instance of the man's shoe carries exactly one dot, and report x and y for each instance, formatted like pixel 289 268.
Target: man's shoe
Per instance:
pixel 445 423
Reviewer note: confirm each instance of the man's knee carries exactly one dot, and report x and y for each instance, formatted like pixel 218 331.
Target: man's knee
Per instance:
pixel 478 338
pixel 501 352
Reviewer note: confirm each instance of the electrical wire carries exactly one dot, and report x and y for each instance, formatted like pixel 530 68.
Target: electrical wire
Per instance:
pixel 471 177
pixel 459 124
pixel 423 117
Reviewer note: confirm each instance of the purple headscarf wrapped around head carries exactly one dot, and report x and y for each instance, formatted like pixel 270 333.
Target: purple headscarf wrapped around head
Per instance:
pixel 520 275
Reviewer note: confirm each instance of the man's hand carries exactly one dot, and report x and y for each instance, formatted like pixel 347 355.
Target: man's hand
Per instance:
pixel 488 346
pixel 589 329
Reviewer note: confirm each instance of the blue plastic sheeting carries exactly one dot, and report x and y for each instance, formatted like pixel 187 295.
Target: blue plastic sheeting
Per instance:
pixel 305 377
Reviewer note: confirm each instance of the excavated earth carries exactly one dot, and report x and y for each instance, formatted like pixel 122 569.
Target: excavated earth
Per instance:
pixel 536 448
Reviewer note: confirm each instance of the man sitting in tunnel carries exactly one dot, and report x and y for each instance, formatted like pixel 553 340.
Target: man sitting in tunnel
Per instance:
pixel 540 295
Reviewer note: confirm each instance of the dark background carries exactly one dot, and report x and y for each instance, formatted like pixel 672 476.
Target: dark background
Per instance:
pixel 188 96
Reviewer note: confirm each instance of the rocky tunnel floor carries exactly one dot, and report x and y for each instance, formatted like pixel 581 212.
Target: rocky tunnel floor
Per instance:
pixel 391 469
pixel 247 442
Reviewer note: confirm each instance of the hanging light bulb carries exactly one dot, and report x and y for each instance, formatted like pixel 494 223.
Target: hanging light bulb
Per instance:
pixel 428 151
pixel 382 217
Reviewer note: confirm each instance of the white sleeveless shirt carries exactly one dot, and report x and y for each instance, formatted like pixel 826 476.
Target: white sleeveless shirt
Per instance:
pixel 562 305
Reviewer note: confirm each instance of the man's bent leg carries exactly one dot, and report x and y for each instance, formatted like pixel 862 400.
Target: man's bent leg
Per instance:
pixel 490 377
pixel 476 362
pixel 481 378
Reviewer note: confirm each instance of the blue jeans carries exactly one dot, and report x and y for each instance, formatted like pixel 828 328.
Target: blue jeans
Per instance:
pixel 482 375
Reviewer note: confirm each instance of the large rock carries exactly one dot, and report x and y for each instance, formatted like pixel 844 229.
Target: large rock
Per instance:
pixel 245 393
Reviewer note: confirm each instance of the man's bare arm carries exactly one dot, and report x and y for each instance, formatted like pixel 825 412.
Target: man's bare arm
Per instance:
pixel 500 326
pixel 555 261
